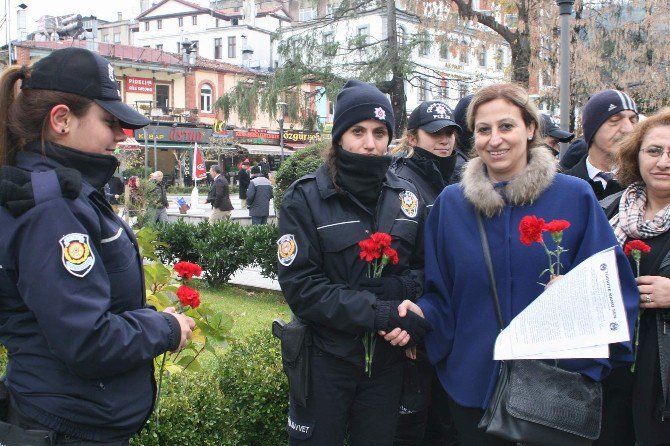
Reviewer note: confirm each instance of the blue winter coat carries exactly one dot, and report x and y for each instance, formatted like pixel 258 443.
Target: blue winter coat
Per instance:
pixel 457 298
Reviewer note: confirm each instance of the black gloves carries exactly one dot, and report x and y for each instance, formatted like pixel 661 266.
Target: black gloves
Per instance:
pixel 387 318
pixel 385 288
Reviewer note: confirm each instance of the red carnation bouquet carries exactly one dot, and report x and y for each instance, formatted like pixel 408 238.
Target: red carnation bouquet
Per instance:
pixel 188 297
pixel 635 249
pixel 377 251
pixel 532 229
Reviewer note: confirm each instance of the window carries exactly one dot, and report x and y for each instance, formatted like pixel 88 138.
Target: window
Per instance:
pixel 422 90
pixel 463 55
pixel 194 20
pixel 218 46
pixel 481 57
pixel 306 14
pixel 195 47
pixel 105 38
pixel 216 23
pixel 462 90
pixel 402 36
pixel 444 51
pixel 362 33
pixel 159 46
pixel 163 97
pixel 329 45
pixel 424 44
pixel 206 98
pixel 500 59
pixel 117 37
pixel 330 10
pixel 180 21
pixel 231 47
pixel 146 26
pixel 159 24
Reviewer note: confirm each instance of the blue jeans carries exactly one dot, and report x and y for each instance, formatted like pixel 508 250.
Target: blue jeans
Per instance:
pixel 259 220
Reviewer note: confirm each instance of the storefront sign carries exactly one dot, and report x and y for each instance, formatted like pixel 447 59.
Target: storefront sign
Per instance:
pixel 140 85
pixel 175 134
pixel 257 136
pixel 302 137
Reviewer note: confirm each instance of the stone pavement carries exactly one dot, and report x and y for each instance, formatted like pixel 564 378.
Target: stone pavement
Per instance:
pixel 251 277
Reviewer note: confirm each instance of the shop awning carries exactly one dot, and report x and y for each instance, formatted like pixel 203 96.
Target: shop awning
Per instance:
pixel 262 149
pixel 129 144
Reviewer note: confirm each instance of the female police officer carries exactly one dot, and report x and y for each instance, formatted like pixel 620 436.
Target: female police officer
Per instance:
pixel 72 304
pixel 323 216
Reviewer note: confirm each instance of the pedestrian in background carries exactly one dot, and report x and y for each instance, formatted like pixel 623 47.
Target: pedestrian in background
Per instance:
pixel 159 211
pixel 259 195
pixel 243 180
pixel 80 337
pixel 607 117
pixel 219 196
pixel 265 167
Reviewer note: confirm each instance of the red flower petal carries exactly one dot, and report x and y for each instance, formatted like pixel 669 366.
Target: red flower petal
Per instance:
pixel 557 226
pixel 636 245
pixel 188 296
pixel 530 229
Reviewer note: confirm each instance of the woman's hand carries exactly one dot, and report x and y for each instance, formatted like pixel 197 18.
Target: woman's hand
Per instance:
pixel 398 336
pixel 654 291
pixel 186 325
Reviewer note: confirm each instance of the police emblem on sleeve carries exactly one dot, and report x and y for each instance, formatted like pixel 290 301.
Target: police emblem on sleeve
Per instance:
pixel 77 256
pixel 409 204
pixel 287 249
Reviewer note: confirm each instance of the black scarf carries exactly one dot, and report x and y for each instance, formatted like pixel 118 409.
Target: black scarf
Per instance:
pixel 361 175
pixel 445 164
pixel 96 169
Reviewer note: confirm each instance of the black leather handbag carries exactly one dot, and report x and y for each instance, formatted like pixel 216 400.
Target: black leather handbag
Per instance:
pixel 536 403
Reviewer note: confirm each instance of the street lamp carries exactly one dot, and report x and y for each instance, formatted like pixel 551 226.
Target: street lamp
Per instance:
pixel 280 120
pixel 565 10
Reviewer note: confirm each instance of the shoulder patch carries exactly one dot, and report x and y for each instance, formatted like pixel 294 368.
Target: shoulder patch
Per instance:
pixel 78 259
pixel 409 204
pixel 287 249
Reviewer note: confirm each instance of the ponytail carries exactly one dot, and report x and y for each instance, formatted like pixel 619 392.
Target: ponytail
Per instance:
pixel 8 92
pixel 404 148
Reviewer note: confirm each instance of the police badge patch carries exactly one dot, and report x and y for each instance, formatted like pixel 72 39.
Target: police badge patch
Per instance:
pixel 77 256
pixel 409 204
pixel 287 249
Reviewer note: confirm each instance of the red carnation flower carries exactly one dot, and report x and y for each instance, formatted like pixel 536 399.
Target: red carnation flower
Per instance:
pixel 531 229
pixel 392 255
pixel 557 226
pixel 369 250
pixel 188 296
pixel 382 239
pixel 636 245
pixel 187 269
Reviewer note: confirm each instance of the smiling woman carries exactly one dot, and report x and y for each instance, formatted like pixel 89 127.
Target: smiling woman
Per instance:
pixel 641 394
pixel 73 314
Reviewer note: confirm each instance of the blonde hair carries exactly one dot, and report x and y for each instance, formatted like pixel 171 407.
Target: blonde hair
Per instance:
pixel 404 147
pixel 627 157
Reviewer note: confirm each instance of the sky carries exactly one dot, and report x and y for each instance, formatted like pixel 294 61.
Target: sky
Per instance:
pixel 103 9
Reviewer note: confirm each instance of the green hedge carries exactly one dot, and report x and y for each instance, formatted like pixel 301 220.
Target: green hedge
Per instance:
pixel 297 165
pixel 186 190
pixel 220 249
pixel 241 401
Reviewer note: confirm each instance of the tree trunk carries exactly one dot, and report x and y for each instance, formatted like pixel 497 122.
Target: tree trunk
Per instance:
pixel 397 87
pixel 520 49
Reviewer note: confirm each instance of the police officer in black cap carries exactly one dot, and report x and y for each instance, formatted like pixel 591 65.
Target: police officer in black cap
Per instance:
pixel 553 134
pixel 73 315
pixel 323 216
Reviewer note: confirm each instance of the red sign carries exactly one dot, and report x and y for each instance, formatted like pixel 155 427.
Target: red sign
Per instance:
pixel 199 172
pixel 140 85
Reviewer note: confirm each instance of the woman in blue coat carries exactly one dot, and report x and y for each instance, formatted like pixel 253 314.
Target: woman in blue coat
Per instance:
pixel 513 176
pixel 80 340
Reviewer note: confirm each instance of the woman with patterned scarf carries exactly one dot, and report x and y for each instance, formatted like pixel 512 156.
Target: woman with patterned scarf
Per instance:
pixel 642 212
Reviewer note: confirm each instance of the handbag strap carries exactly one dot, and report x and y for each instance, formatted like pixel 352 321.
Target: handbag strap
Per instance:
pixel 489 266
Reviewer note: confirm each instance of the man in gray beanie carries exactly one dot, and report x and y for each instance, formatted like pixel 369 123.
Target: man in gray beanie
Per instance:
pixel 606 118
pixel 356 376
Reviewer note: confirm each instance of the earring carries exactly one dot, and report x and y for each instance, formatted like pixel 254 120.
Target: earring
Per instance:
pixel 62 130
pixel 530 138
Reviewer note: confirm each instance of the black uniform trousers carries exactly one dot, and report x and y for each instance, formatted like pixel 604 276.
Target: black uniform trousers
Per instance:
pixel 343 401
pixel 466 420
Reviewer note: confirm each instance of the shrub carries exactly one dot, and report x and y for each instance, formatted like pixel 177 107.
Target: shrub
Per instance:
pixel 241 401
pixel 260 244
pixel 179 240
pixel 221 250
pixel 255 392
pixel 297 165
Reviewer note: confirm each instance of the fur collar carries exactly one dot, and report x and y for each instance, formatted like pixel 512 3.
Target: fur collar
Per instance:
pixel 523 189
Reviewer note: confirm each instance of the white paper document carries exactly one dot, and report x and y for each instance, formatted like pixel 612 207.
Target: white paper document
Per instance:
pixel 577 317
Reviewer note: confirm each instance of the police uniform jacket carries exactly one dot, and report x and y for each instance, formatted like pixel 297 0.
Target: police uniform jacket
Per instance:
pixel 320 264
pixel 73 315
pixel 425 176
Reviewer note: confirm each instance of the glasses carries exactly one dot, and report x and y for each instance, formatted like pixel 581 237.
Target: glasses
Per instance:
pixel 654 151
